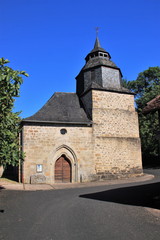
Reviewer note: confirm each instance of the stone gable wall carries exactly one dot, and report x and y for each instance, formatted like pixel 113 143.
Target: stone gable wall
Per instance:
pixel 45 144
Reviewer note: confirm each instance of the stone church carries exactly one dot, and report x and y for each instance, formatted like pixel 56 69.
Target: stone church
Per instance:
pixel 90 135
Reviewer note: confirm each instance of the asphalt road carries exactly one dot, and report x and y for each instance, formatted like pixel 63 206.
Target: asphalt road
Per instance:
pixel 105 212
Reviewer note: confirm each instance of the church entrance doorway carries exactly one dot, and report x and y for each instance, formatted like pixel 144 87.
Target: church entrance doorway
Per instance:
pixel 63 170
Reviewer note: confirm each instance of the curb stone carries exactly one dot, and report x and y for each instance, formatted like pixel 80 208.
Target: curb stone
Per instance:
pixel 5 185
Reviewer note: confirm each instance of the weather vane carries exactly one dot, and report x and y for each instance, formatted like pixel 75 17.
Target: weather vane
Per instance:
pixel 97 31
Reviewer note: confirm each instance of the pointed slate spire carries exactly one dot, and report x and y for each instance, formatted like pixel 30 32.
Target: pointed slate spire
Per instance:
pixel 97 51
pixel 99 71
pixel 97 43
pixel 97 46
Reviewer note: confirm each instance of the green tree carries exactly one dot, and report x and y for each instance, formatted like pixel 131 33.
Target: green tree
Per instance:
pixel 10 81
pixel 146 87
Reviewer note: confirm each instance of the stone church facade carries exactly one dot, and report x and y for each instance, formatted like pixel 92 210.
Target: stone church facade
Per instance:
pixel 89 135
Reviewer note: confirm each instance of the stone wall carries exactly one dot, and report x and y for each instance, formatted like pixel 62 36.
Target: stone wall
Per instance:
pixel 110 148
pixel 45 144
pixel 117 149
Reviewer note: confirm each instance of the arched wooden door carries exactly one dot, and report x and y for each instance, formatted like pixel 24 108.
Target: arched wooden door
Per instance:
pixel 62 170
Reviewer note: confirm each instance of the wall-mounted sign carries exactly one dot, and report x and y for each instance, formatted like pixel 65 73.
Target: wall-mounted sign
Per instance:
pixel 39 167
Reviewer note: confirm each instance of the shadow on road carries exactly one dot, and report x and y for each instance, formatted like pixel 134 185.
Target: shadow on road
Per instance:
pixel 1 187
pixel 147 195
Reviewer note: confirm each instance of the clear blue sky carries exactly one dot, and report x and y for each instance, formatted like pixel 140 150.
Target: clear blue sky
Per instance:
pixel 49 39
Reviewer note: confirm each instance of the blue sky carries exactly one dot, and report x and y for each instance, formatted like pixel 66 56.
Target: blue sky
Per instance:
pixel 49 39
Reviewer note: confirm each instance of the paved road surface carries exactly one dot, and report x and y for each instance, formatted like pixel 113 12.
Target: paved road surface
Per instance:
pixel 113 212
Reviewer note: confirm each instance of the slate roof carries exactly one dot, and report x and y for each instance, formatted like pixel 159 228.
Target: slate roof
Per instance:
pixel 152 105
pixel 96 86
pixel 97 46
pixel 98 61
pixel 61 108
pixel 95 61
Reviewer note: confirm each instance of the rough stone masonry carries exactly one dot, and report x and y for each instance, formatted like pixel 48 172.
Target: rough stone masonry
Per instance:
pixel 90 135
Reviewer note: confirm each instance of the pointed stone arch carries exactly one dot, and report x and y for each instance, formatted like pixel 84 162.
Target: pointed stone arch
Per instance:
pixel 64 150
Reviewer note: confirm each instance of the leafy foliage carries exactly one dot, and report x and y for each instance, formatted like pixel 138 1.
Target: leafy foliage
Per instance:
pixel 10 81
pixel 146 87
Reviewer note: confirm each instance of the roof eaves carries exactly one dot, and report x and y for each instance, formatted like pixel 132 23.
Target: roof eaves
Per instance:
pixel 120 91
pixel 89 123
pixel 103 65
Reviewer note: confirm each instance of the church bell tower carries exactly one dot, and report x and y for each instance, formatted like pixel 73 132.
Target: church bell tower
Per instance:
pixel 110 107
pixel 100 73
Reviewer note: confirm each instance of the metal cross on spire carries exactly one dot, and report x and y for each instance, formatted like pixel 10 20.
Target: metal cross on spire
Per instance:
pixel 97 31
